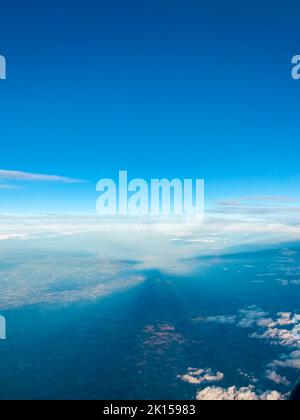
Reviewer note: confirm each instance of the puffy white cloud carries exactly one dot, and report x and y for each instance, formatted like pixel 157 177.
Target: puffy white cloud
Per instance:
pixel 199 376
pixel 282 330
pixel 275 334
pixel 237 394
pixel 268 328
pixel 196 376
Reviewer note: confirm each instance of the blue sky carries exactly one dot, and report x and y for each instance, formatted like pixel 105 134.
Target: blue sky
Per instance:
pixel 160 88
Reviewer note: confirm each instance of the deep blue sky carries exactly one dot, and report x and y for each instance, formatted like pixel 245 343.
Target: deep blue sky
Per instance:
pixel 193 88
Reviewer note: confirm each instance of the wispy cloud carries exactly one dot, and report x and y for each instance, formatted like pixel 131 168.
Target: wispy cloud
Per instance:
pixel 273 376
pixel 258 200
pixel 21 176
pixel 8 187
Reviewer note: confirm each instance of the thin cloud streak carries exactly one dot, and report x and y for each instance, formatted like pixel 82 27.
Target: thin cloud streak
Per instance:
pixel 258 201
pixel 8 187
pixel 21 176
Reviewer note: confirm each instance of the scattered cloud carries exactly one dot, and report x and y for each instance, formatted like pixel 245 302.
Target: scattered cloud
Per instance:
pixel 237 394
pixel 285 282
pixel 273 376
pixel 273 330
pixel 288 361
pixel 275 334
pixel 282 330
pixel 250 316
pixel 199 376
pixel 249 377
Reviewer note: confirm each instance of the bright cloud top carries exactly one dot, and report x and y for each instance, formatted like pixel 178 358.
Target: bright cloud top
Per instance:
pixel 199 376
pixel 237 394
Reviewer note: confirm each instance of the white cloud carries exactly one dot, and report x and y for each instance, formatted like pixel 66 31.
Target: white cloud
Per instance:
pixel 250 317
pixel 199 376
pixel 27 176
pixel 223 229
pixel 237 394
pixel 8 236
pixel 275 334
pixel 284 330
pixel 8 187
pixel 288 361
pixel 273 376
pixel 249 377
